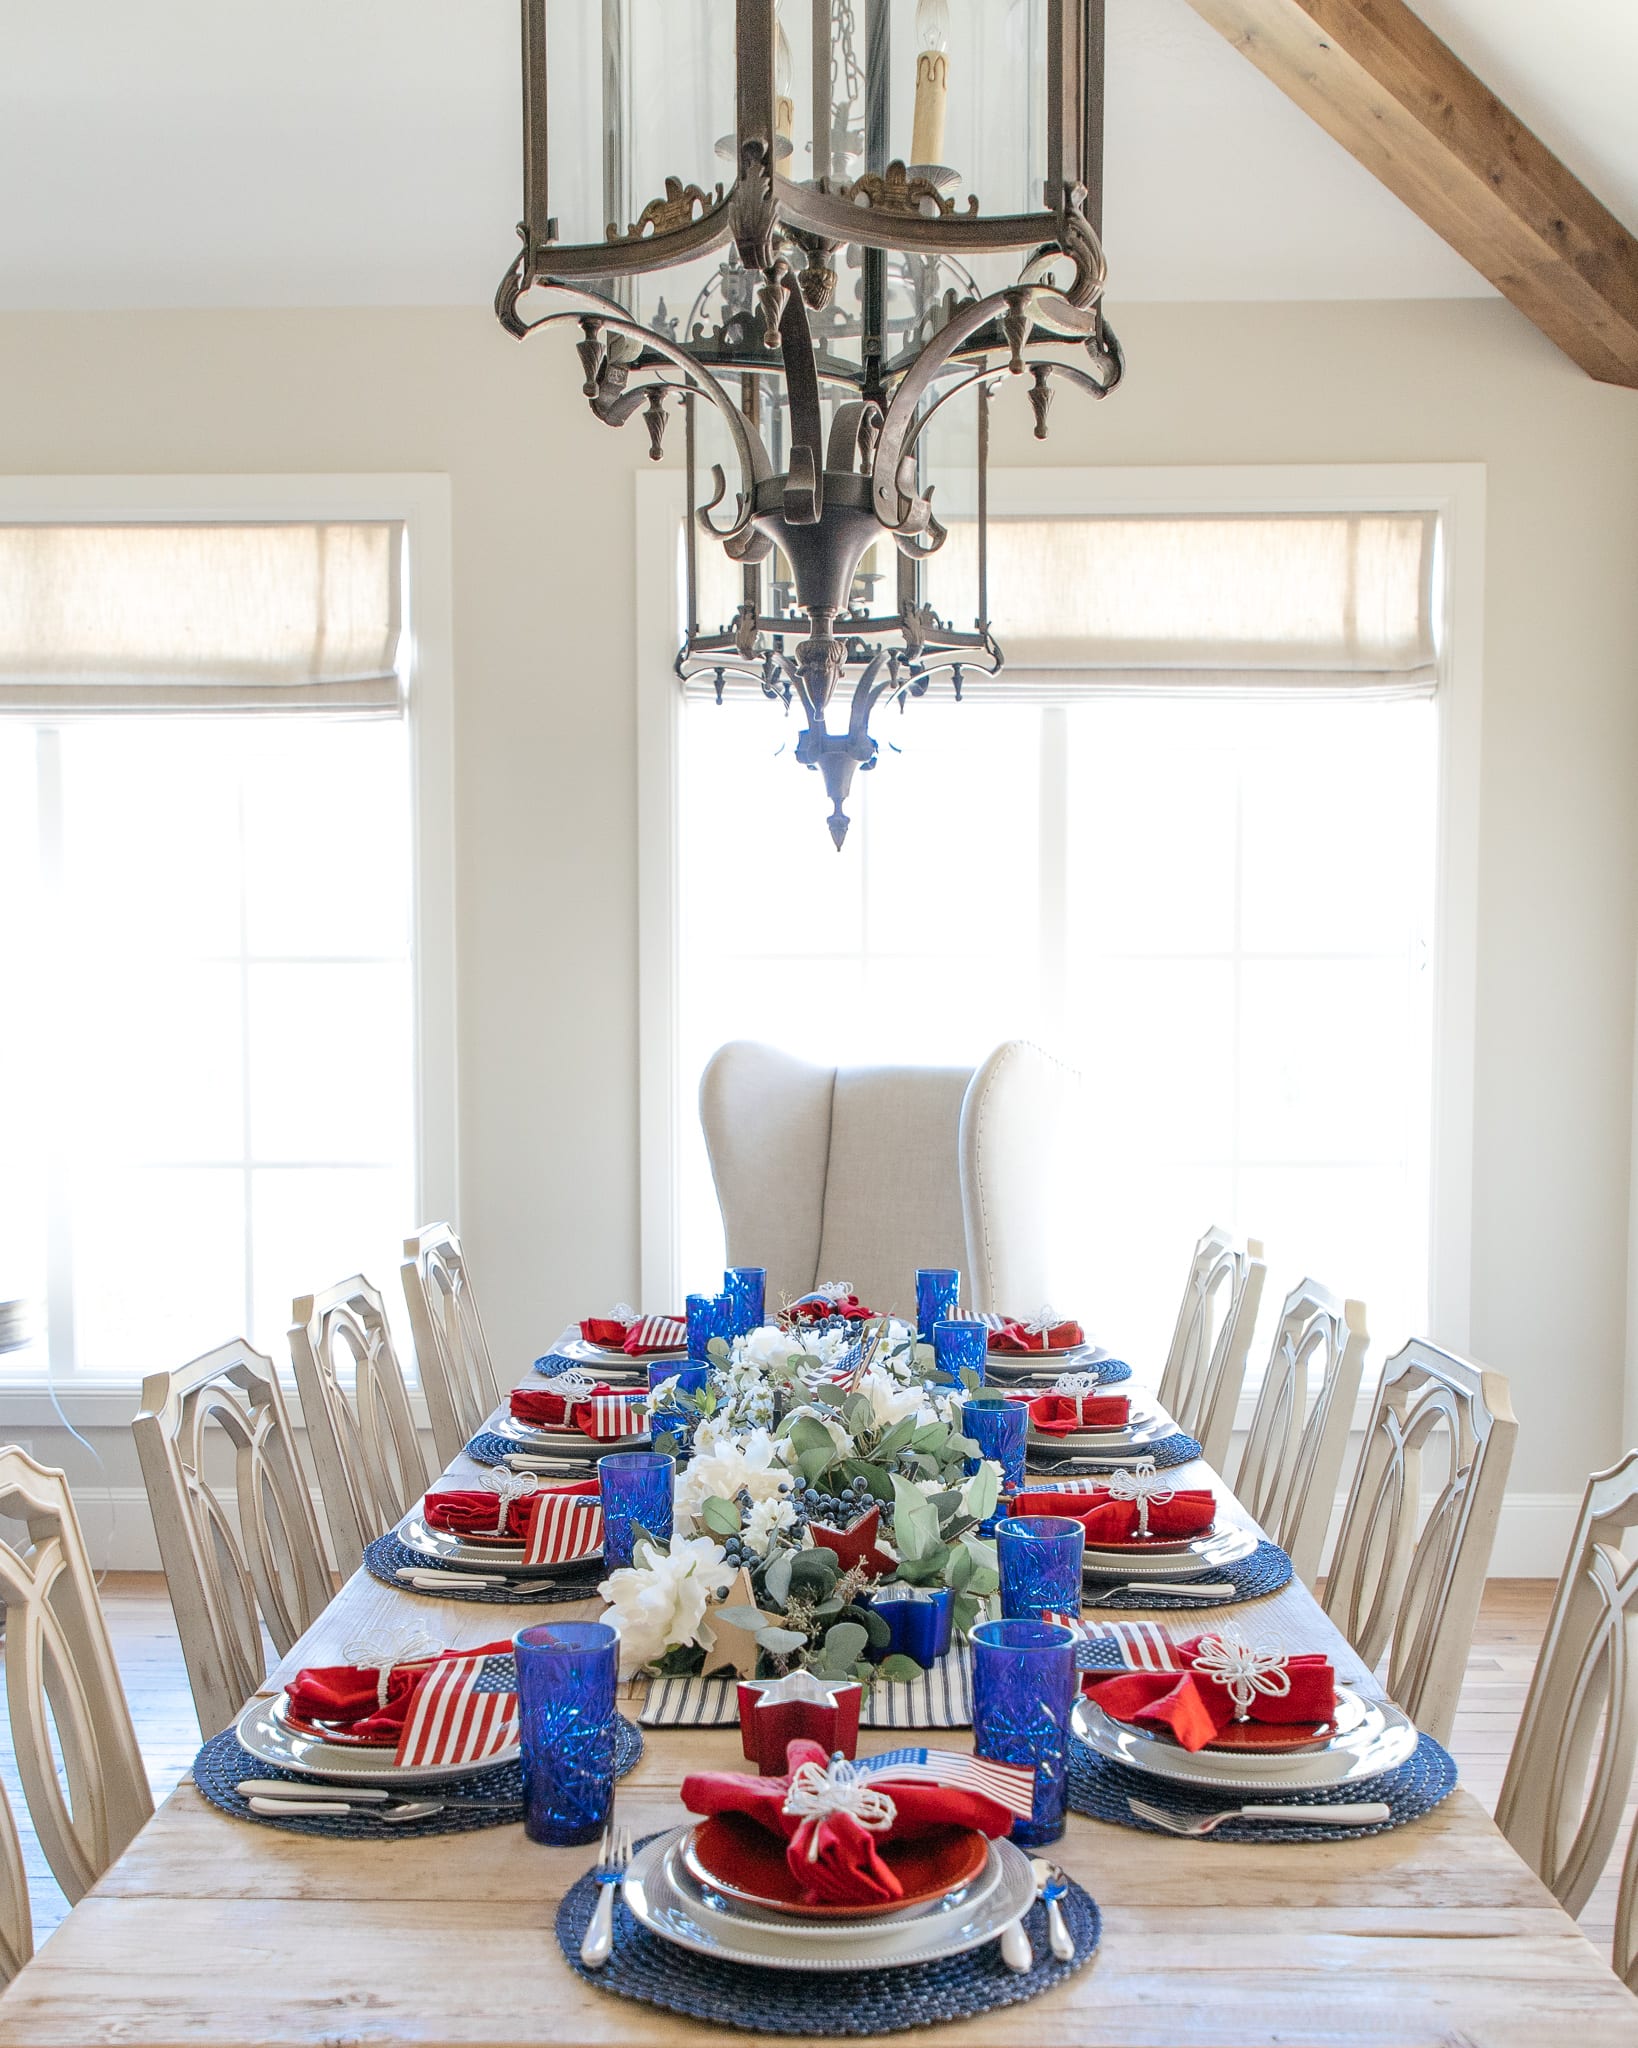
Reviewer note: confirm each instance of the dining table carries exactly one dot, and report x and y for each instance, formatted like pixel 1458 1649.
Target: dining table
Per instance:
pixel 219 1934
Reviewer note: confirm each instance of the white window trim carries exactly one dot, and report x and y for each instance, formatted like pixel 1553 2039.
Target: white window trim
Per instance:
pixel 1456 491
pixel 422 503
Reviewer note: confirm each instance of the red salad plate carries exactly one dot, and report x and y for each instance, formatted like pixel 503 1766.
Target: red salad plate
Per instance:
pixel 735 1856
pixel 1145 1546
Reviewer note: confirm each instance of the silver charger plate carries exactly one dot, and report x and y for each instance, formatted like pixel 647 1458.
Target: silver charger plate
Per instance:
pixel 690 1876
pixel 1372 1737
pixel 444 1548
pixel 576 1351
pixel 566 1444
pixel 1197 1558
pixel 264 1729
pixel 661 1899
pixel 1145 1427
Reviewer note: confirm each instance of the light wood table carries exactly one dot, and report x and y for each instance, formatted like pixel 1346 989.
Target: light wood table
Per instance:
pixel 221 1935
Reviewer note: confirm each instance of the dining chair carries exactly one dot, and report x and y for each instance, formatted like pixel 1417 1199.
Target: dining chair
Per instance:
pixel 864 1174
pixel 451 1352
pixel 1405 1582
pixel 1571 1767
pixel 366 1449
pixel 1206 1365
pixel 1293 1451
pixel 231 1570
pixel 72 1742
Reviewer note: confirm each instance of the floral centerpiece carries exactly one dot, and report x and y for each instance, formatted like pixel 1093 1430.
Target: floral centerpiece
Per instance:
pixel 824 1469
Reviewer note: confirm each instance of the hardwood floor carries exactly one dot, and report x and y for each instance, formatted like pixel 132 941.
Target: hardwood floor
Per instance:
pixel 150 1661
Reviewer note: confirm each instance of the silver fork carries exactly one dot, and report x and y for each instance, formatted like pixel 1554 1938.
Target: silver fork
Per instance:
pixel 1368 1813
pixel 613 1854
pixel 1207 1591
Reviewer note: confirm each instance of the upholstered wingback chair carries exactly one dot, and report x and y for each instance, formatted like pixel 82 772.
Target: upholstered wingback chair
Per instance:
pixel 865 1173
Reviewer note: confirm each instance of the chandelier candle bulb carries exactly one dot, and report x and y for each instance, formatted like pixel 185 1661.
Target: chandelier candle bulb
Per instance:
pixel 932 82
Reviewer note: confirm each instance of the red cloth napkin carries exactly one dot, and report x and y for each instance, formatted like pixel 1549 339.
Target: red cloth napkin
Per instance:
pixel 1063 1414
pixel 349 1695
pixel 471 1511
pixel 647 1333
pixel 1197 1707
pixel 1016 1337
pixel 1106 1520
pixel 833 1859
pixel 819 1308
pixel 615 1416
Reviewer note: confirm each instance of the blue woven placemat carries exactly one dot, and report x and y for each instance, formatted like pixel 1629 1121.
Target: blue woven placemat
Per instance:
pixel 1266 1570
pixel 820 2002
pixel 1110 1371
pixel 1176 1449
pixel 488 1447
pixel 224 1760
pixel 386 1554
pixel 1100 1790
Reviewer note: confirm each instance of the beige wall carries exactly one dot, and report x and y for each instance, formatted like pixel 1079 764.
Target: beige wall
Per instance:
pixel 545 736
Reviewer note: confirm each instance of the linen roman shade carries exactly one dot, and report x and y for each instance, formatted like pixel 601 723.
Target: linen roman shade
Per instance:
pixel 1195 602
pixel 199 618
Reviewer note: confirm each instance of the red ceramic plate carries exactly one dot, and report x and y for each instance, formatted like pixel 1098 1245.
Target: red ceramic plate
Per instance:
pixel 1266 1737
pixel 1146 1545
pixel 743 1861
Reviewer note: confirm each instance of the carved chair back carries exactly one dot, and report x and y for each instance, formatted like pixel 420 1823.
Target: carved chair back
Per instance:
pixel 1207 1362
pixel 451 1352
pixel 1408 1573
pixel 366 1451
pixel 1293 1452
pixel 231 1569
pixel 75 1750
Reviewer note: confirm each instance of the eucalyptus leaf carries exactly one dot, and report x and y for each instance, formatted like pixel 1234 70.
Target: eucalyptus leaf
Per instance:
pixel 776 1579
pixel 845 1641
pixel 931 1436
pixel 808 1433
pixel 739 1617
pixel 877 1632
pixel 830 1395
pixel 818 1568
pixel 959 1570
pixel 813 1464
pixel 720 1516
pixel 717 1348
pixel 780 1642
pixel 983 1491
pixel 896 1439
pixel 899 1668
pixel 985 1579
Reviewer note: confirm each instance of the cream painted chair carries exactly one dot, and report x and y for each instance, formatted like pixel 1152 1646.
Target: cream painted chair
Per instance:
pixel 865 1173
pixel 71 1736
pixel 1407 1584
pixel 365 1447
pixel 229 1572
pixel 1206 1365
pixel 1572 1763
pixel 451 1351
pixel 1293 1452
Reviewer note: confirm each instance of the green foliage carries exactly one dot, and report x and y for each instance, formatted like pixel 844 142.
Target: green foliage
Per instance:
pixel 721 1516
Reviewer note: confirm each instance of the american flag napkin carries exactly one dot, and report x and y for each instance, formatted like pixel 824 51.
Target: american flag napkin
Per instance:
pixel 1142 1646
pixel 465 1711
pixel 1009 1785
pixel 563 1528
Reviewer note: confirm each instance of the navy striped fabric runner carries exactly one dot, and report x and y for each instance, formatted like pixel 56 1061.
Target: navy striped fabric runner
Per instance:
pixel 939 1698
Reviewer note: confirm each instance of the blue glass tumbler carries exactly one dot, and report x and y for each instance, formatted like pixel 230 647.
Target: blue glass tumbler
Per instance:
pixel 636 1489
pixel 1039 1558
pixel 677 1422
pixel 999 1427
pixel 958 1348
pixel 936 1291
pixel 1023 1694
pixel 704 1323
pixel 746 1288
pixel 566 1678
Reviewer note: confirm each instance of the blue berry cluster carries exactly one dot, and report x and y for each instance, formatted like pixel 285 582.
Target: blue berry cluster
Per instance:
pixel 835 1510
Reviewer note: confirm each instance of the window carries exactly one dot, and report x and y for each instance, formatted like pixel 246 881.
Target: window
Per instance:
pixel 209 926
pixel 1219 904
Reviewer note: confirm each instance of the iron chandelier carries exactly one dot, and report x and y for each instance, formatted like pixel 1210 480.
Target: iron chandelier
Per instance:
pixel 824 394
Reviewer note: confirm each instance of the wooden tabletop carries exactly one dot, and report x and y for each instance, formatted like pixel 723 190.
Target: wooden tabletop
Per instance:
pixel 210 1931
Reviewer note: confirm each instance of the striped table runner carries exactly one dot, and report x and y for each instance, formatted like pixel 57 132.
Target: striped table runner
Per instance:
pixel 939 1698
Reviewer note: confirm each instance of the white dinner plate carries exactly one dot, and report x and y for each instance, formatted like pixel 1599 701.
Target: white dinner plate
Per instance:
pixel 663 1899
pixel 563 1443
pixel 442 1547
pixel 1196 1559
pixel 265 1730
pixel 1372 1737
pixel 1145 1427
pixel 690 1876
pixel 576 1351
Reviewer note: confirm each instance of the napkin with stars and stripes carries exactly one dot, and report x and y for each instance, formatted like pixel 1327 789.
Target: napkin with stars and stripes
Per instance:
pixel 565 1524
pixel 465 1711
pixel 1141 1645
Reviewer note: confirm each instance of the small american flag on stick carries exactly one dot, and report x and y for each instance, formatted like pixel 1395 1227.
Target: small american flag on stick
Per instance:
pixel 460 1714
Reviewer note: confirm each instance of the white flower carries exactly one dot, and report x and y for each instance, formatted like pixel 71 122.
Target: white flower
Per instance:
pixel 890 1398
pixel 764 1522
pixel 661 1601
pixel 765 1348
pixel 724 1462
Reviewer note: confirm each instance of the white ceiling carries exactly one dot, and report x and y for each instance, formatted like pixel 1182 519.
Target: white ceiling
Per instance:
pixel 334 152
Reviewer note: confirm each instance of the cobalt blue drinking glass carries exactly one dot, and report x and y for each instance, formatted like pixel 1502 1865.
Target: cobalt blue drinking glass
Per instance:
pixel 677 1422
pixel 1039 1558
pixel 747 1290
pixel 566 1677
pixel 1023 1694
pixel 636 1489
pixel 999 1428
pixel 959 1348
pixel 936 1291
pixel 704 1323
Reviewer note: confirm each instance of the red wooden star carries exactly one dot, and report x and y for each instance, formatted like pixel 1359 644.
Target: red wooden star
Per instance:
pixel 856 1544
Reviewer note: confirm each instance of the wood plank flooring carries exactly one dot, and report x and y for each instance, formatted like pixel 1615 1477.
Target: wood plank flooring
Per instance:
pixel 1511 1622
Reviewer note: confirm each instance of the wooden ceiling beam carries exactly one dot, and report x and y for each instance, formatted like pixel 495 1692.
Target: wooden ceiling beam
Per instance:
pixel 1377 78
